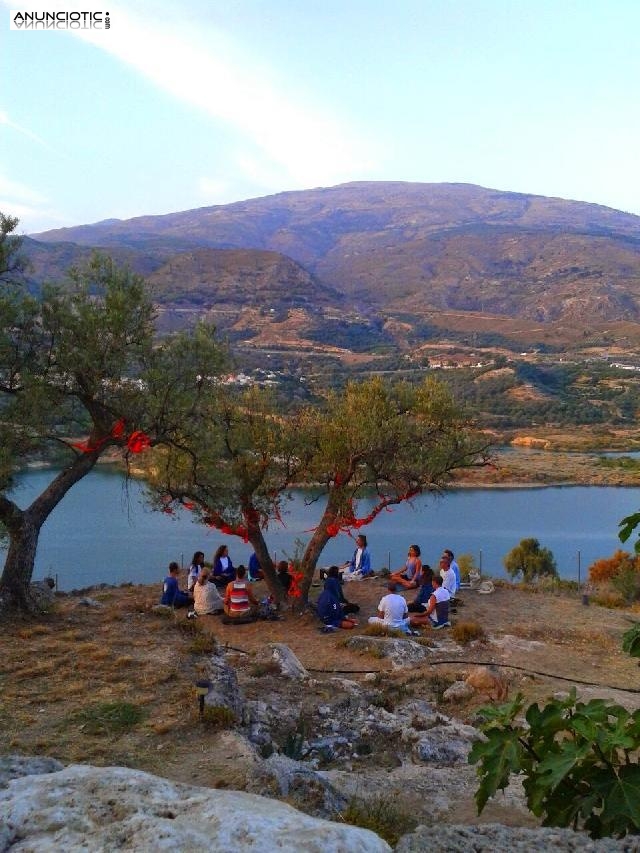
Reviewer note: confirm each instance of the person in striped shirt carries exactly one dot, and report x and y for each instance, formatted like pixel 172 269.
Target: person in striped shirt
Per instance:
pixel 239 600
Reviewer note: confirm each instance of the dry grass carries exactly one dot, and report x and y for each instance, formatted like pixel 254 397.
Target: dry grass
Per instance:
pixel 467 632
pixel 77 658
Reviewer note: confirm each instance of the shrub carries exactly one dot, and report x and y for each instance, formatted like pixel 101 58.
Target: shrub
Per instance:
pixel 466 632
pixel 579 761
pixel 218 717
pixel 107 718
pixel 610 600
pixel 382 816
pixel 466 564
pixel 530 560
pixel 627 583
pixel 607 568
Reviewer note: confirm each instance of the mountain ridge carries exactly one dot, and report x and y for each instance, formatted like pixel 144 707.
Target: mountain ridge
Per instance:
pixel 402 252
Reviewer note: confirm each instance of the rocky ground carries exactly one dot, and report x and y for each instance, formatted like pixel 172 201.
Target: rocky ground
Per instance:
pixel 346 726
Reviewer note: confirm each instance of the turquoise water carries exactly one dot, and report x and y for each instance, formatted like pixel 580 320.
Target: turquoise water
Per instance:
pixel 102 532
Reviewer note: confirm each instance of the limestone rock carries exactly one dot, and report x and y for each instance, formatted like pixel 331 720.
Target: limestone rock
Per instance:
pixel 495 838
pixel 15 766
pixel 289 664
pixel 402 653
pixel 224 691
pixel 88 808
pixel 300 784
pixel 458 692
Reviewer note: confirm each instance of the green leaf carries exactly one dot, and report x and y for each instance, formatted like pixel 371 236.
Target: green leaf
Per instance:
pixel 631 641
pixel 499 756
pixel 556 766
pixel 628 525
pixel 620 794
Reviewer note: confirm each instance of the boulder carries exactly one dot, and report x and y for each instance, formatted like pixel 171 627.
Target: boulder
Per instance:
pixel 458 692
pixel 496 838
pixel 84 808
pixel 289 664
pixel 401 652
pixel 224 691
pixel 300 784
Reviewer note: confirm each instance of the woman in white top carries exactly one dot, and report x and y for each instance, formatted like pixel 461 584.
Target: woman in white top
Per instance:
pixel 197 564
pixel 206 598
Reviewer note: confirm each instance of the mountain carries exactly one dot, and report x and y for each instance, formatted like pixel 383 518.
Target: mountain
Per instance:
pixel 413 257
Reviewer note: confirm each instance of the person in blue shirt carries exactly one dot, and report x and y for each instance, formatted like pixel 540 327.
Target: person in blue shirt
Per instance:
pixel 330 611
pixel 254 572
pixel 425 591
pixel 172 595
pixel 223 570
pixel 333 583
pixel 361 560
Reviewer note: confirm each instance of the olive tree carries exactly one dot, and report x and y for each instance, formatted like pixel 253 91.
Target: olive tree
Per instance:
pixel 530 560
pixel 80 375
pixel 393 440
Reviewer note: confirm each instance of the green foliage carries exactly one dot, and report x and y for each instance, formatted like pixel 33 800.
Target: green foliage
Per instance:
pixel 627 526
pixel 631 641
pixel 530 560
pixel 579 762
pixel 217 717
pixel 381 815
pixel 467 565
pixel 109 718
pixel 12 263
pixel 81 363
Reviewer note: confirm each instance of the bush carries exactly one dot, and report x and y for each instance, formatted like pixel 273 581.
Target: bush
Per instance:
pixel 579 761
pixel 607 568
pixel 530 560
pixel 109 718
pixel 466 632
pixel 382 816
pixel 466 564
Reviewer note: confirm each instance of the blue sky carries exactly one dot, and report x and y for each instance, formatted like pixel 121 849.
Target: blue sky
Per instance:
pixel 179 106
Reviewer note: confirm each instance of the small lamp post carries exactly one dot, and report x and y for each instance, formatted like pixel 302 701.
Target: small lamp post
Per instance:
pixel 203 686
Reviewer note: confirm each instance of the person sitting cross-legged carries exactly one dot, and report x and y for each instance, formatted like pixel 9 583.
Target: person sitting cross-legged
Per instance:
pixel 329 607
pixel 206 598
pixel 239 600
pixel 409 576
pixel 334 582
pixel 425 591
pixel 392 611
pixel 172 595
pixel 437 612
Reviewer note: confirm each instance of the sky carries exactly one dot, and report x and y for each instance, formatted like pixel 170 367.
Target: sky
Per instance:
pixel 180 105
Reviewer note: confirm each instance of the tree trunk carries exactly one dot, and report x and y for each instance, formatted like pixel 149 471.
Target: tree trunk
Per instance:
pixel 266 563
pixel 23 527
pixel 318 541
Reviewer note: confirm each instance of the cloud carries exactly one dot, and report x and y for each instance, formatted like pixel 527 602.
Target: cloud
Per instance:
pixel 27 204
pixel 282 136
pixel 7 122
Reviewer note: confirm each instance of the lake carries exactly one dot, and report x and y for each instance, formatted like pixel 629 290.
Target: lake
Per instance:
pixel 102 532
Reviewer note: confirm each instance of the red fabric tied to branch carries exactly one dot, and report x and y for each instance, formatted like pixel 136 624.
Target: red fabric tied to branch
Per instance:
pixel 296 580
pixel 138 441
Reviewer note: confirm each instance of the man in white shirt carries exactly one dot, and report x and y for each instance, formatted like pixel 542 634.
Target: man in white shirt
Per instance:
pixel 437 612
pixel 392 611
pixel 453 565
pixel 448 577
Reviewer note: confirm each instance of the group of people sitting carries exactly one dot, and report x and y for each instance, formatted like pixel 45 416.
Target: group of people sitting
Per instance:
pixel 225 589
pixel 432 605
pixel 221 589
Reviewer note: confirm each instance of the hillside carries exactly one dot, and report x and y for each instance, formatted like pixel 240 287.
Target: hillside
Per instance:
pixel 408 250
